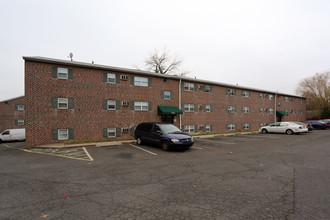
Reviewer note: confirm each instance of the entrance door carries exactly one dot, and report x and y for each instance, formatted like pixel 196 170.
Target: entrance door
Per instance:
pixel 168 118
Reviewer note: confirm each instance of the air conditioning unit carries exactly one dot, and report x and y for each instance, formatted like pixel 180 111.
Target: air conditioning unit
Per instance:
pixel 125 130
pixel 123 77
pixel 125 103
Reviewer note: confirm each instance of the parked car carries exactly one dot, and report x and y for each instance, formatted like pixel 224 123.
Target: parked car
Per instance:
pixel 317 124
pixel 165 135
pixel 326 121
pixel 13 135
pixel 308 126
pixel 283 127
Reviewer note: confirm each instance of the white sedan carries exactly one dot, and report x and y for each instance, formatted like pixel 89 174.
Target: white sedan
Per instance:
pixel 284 127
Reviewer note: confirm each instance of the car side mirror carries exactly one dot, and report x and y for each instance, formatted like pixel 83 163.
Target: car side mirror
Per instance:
pixel 159 132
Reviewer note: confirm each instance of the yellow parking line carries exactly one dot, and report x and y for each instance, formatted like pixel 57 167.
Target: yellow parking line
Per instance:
pixel 91 159
pixel 51 154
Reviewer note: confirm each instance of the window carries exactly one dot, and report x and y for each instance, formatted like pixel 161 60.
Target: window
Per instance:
pixel 63 134
pixel 271 97
pixel 62 103
pixel 189 86
pixel 301 101
pixel 167 95
pixel 261 96
pixel 293 111
pixel 245 109
pixel 111 132
pixel 271 111
pixel 278 104
pixel 246 126
pixel 286 99
pixel 141 81
pixel 20 122
pixel 293 99
pixel 230 92
pixel 231 127
pixel 20 107
pixel 207 108
pixel 62 73
pixel 207 89
pixel 125 130
pixel 189 107
pixel 111 78
pixel 286 111
pixel 207 128
pixel 141 106
pixel 111 104
pixel 189 128
pixel 301 112
pixel 231 109
pixel 261 110
pixel 245 93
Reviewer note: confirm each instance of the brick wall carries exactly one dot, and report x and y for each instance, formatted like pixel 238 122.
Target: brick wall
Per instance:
pixel 88 118
pixel 10 115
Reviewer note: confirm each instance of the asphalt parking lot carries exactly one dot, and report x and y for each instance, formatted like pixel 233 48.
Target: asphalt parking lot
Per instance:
pixel 252 176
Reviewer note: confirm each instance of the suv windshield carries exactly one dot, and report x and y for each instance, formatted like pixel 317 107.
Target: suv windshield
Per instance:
pixel 170 129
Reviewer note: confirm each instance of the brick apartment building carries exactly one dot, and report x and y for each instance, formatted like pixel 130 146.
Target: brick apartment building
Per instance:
pixel 12 113
pixel 76 101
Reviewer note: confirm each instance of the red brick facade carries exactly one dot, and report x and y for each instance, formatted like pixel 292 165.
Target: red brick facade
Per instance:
pixel 12 113
pixel 87 92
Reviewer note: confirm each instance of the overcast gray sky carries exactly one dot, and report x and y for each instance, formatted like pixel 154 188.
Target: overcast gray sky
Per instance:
pixel 266 44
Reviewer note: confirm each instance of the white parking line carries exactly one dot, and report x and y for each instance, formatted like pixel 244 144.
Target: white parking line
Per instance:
pixel 143 149
pixel 215 141
pixel 197 148
pixel 12 147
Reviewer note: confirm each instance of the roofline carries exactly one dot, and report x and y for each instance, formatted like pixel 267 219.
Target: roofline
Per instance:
pixel 146 73
pixel 12 98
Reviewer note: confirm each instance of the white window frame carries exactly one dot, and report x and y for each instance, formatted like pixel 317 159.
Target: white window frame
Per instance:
pixel 287 111
pixel 207 128
pixel 293 111
pixel 231 92
pixel 301 101
pixel 167 95
pixel 62 73
pixel 111 77
pixel 261 96
pixel 246 109
pixel 141 81
pixel 189 87
pixel 301 112
pixel 110 131
pixel 111 103
pixel 207 89
pixel 246 126
pixel 231 127
pixel 141 106
pixel 63 101
pixel 271 111
pixel 279 104
pixel 207 108
pixel 20 122
pixel 189 107
pixel 270 97
pixel 63 134
pixel 189 128
pixel 286 99
pixel 261 110
pixel 20 107
pixel 245 93
pixel 231 109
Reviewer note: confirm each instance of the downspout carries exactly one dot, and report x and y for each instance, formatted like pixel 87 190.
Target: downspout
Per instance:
pixel 275 106
pixel 180 102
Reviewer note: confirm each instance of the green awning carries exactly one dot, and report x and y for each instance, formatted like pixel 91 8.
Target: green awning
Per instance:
pixel 169 110
pixel 281 113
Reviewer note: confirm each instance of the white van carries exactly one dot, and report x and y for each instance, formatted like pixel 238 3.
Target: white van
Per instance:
pixel 13 135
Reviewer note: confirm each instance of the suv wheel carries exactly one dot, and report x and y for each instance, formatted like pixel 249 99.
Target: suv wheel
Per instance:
pixel 139 141
pixel 165 145
pixel 264 131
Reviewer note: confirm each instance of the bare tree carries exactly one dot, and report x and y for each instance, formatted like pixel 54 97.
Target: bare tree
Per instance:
pixel 317 91
pixel 161 62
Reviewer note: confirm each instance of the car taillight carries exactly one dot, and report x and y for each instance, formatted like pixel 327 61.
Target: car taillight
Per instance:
pixel 300 127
